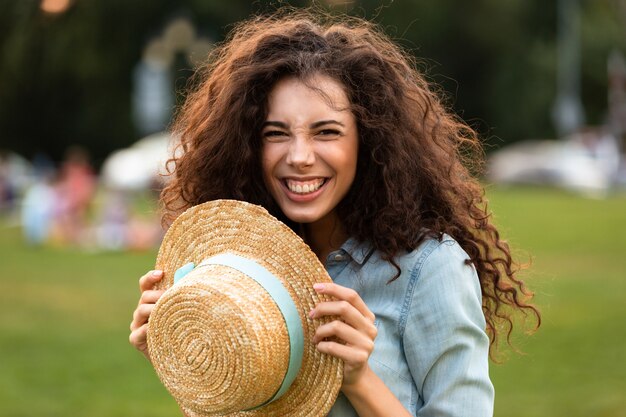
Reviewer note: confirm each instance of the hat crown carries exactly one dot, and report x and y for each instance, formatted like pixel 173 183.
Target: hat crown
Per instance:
pixel 233 344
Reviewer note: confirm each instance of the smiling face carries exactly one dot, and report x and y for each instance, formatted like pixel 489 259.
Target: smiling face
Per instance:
pixel 310 145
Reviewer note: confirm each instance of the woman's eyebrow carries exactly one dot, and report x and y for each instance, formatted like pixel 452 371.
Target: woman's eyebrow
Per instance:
pixel 325 122
pixel 312 126
pixel 275 124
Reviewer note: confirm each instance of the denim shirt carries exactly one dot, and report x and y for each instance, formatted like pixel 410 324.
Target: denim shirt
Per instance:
pixel 431 350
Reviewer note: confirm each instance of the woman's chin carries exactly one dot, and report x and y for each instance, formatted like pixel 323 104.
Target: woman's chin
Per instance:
pixel 303 214
pixel 301 217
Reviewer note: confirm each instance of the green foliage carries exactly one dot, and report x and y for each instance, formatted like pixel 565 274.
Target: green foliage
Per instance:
pixel 497 59
pixel 67 79
pixel 65 315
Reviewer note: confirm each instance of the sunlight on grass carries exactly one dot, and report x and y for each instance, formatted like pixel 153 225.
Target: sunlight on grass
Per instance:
pixel 64 334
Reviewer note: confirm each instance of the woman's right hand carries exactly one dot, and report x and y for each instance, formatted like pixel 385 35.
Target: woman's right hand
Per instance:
pixel 149 296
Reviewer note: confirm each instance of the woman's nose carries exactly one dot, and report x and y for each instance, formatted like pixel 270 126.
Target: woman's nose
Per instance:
pixel 301 152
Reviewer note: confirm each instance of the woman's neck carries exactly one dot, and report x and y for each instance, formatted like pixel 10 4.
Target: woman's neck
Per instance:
pixel 325 235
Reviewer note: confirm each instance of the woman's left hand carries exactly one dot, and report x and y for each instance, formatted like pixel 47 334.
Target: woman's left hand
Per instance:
pixel 354 327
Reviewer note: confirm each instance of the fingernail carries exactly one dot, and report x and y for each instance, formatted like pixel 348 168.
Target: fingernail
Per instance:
pixel 319 287
pixel 312 313
pixel 157 273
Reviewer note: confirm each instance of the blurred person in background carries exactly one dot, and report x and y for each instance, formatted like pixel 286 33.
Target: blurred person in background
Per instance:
pixel 327 124
pixel 76 188
pixel 114 215
pixel 40 208
pixel 16 175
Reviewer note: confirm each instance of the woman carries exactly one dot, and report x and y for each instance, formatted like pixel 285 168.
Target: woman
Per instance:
pixel 330 127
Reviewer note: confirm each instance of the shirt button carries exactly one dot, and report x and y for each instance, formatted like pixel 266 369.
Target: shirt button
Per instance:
pixel 339 257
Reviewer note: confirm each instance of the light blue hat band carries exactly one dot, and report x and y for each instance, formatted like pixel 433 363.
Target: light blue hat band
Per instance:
pixel 281 297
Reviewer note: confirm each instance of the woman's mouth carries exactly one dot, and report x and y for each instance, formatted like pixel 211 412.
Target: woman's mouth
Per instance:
pixel 304 187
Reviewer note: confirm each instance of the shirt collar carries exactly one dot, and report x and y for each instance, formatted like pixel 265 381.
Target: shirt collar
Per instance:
pixel 358 251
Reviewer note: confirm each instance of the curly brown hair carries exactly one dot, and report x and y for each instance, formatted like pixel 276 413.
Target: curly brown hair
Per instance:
pixel 417 162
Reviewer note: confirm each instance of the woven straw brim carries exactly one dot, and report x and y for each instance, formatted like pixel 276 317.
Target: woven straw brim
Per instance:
pixel 227 226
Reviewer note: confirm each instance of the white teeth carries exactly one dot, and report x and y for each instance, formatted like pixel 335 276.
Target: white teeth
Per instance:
pixel 300 188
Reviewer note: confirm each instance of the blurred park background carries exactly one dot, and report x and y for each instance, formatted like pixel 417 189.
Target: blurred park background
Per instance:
pixel 88 89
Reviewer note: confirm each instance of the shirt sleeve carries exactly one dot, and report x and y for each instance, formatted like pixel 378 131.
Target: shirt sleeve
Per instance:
pixel 444 337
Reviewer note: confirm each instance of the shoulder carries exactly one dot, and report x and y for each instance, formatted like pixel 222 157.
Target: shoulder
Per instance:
pixel 448 267
pixel 442 280
pixel 433 255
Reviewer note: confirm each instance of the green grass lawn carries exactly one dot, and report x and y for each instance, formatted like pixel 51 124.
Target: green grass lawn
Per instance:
pixel 64 317
pixel 575 365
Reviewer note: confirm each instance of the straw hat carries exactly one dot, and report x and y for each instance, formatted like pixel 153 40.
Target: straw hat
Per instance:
pixel 233 337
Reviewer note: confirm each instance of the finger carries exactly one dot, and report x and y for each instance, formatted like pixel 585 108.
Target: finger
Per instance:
pixel 345 333
pixel 346 294
pixel 347 312
pixel 147 281
pixel 150 296
pixel 348 354
pixel 138 337
pixel 141 315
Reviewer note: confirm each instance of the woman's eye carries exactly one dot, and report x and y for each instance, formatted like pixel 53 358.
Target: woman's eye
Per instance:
pixel 274 134
pixel 328 133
